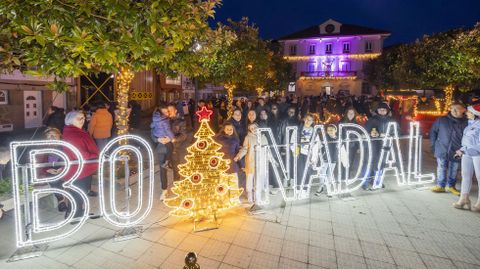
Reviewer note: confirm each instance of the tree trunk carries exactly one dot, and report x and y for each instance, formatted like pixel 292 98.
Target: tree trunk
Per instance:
pixel 124 79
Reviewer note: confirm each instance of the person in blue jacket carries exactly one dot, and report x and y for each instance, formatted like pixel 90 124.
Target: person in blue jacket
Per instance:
pixel 445 139
pixel 470 154
pixel 163 136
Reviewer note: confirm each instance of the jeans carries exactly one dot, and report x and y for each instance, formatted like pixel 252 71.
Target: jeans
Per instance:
pixel 446 172
pixel 163 155
pixel 101 143
pixel 470 164
pixel 83 184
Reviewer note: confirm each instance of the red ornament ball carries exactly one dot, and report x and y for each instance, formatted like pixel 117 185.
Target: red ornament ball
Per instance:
pixel 221 189
pixel 187 203
pixel 202 144
pixel 196 178
pixel 213 161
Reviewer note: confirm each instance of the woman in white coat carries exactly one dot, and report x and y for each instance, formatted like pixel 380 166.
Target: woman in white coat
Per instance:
pixel 470 154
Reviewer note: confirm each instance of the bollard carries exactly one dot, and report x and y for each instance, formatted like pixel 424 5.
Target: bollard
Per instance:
pixel 191 261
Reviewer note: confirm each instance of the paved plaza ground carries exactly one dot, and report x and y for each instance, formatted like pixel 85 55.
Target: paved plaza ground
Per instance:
pixel 399 227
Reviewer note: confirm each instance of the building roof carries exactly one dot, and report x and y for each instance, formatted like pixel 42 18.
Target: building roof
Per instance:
pixel 345 30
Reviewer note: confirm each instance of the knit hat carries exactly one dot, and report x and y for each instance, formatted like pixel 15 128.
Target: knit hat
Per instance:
pixel 383 105
pixel 475 109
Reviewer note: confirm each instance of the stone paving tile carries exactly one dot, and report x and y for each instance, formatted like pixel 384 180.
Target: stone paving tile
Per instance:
pixel 322 240
pixel 156 255
pixel 295 251
pixel 347 260
pixel 297 235
pixel 376 252
pixel 437 262
pixel 325 258
pixel 347 245
pixel 238 256
pixel 262 260
pixel 291 264
pixel 270 245
pixel 274 230
pixel 407 259
pixel 375 264
pixel 246 239
pixel 215 249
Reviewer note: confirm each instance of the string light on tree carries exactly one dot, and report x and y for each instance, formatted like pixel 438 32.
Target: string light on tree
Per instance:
pixel 124 78
pixel 230 88
pixel 207 188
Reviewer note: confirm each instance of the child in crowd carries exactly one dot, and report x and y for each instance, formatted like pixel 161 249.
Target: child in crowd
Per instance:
pixel 329 168
pixel 55 134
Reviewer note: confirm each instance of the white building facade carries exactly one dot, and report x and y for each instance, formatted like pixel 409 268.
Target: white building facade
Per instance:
pixel 329 58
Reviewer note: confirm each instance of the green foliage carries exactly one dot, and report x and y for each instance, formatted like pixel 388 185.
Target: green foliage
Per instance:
pixel 449 58
pixel 72 38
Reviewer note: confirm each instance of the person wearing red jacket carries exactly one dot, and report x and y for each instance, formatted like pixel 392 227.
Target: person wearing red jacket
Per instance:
pixel 75 135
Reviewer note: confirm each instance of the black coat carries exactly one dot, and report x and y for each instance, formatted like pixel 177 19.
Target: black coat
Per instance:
pixel 446 136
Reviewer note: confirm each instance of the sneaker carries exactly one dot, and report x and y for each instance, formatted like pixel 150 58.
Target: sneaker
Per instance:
pixel 452 190
pixel 438 189
pixel 92 193
pixel 162 196
pixel 273 192
pixel 167 165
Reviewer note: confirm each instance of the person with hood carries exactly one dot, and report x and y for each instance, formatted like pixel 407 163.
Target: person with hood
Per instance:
pixel 162 135
pixel 79 138
pixel 377 126
pixel 445 139
pixel 470 154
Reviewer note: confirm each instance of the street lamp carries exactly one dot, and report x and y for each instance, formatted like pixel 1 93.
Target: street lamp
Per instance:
pixel 196 48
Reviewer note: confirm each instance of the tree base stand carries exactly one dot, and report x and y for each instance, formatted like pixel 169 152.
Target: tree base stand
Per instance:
pixel 128 233
pixel 28 252
pixel 203 225
pixel 256 210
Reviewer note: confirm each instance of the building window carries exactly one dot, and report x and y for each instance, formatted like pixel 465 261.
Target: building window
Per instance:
pixel 3 97
pixel 345 66
pixel 311 67
pixel 293 50
pixel 328 48
pixel 346 47
pixel 368 46
pixel 311 49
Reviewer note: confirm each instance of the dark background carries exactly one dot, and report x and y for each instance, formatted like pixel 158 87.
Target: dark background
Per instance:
pixel 407 20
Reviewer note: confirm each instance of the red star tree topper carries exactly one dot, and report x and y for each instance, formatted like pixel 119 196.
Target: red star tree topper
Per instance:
pixel 204 114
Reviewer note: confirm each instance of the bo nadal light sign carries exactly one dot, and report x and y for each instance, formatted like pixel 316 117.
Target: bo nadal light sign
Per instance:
pixel 32 230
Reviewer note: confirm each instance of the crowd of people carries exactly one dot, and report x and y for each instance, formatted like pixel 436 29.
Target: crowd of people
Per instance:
pixel 454 137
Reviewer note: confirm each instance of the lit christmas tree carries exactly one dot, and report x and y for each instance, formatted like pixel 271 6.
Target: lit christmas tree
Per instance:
pixel 206 188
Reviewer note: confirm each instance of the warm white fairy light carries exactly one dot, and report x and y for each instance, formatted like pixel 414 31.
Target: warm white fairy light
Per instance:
pixel 391 155
pixel 115 216
pixel 415 149
pixel 24 235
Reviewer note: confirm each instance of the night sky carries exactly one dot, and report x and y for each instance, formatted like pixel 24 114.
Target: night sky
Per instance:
pixel 405 19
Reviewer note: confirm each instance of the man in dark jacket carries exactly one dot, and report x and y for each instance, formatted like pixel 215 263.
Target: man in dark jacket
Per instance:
pixel 377 126
pixel 445 139
pixel 290 120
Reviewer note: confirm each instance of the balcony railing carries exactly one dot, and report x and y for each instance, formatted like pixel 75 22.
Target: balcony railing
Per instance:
pixel 327 74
